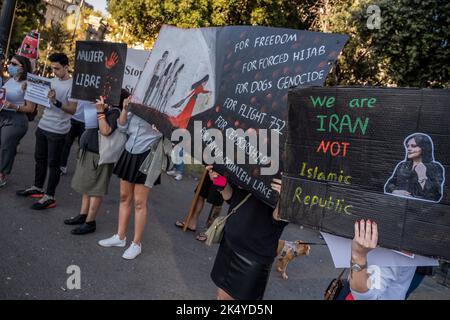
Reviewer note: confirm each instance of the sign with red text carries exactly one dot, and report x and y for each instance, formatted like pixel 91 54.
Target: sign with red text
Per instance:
pixel 371 153
pixel 99 71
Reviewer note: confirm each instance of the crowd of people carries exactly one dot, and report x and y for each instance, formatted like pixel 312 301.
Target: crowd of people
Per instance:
pixel 247 251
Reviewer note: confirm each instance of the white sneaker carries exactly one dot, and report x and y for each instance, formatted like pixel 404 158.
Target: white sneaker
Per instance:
pixel 171 173
pixel 114 241
pixel 179 177
pixel 132 252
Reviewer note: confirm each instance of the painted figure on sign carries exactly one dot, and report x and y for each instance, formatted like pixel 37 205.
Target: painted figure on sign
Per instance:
pixel 157 72
pixel 182 119
pixel 418 176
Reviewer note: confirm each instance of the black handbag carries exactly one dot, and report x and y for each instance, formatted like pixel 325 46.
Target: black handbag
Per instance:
pixel 337 289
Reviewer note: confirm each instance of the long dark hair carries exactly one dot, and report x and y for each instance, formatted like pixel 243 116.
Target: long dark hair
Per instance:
pixel 425 143
pixel 26 66
pixel 123 95
pixel 204 79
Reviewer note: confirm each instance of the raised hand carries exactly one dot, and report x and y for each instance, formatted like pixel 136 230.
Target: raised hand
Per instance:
pixel 52 95
pixel 421 171
pixel 212 174
pixel 100 104
pixel 276 185
pixel 126 103
pixel 112 60
pixel 365 240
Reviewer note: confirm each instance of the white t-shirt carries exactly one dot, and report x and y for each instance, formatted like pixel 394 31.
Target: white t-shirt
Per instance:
pixel 54 119
pixel 79 114
pixel 14 92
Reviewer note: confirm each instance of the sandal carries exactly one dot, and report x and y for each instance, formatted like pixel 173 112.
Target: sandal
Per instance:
pixel 201 237
pixel 180 225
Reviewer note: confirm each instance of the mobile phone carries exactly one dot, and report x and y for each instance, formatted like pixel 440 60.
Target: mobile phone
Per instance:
pixel 220 182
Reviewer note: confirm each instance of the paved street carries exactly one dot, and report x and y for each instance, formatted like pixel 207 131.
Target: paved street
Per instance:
pixel 36 249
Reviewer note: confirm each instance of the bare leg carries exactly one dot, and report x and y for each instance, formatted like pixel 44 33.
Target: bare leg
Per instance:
pixel 222 295
pixel 85 204
pixel 126 200
pixel 140 211
pixel 94 205
pixel 213 214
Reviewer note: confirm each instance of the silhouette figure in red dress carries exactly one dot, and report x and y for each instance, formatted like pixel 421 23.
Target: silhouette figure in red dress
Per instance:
pixel 182 119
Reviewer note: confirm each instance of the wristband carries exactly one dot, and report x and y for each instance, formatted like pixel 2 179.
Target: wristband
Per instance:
pixel 58 104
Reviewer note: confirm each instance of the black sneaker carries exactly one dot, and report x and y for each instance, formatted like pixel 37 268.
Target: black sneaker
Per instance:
pixel 85 228
pixel 46 202
pixel 32 192
pixel 79 219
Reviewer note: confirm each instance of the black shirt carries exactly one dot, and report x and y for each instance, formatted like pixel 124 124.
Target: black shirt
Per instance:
pixel 252 231
pixel 89 138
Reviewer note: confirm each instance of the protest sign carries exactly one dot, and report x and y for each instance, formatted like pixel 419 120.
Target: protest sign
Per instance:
pixel 30 46
pixel 37 90
pixel 99 70
pixel 235 80
pixel 371 153
pixel 134 67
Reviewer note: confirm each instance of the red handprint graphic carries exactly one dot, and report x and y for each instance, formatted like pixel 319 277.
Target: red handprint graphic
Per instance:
pixel 112 60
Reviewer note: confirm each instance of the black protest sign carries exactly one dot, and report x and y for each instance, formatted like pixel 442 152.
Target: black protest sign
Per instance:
pixel 99 70
pixel 235 81
pixel 374 153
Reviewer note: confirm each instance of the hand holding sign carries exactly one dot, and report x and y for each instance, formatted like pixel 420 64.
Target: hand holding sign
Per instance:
pixel 126 103
pixel 366 239
pixel 112 60
pixel 421 171
pixel 52 95
pixel 100 105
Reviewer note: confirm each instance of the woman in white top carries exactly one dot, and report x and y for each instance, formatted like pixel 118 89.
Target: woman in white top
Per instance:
pixel 373 282
pixel 13 119
pixel 141 138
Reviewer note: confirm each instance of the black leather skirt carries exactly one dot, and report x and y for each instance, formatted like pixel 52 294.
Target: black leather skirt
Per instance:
pixel 240 277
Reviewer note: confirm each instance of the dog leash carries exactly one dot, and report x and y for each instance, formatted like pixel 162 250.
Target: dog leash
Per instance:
pixel 314 243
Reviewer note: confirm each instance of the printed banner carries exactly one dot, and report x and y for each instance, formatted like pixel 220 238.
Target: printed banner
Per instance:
pixel 37 90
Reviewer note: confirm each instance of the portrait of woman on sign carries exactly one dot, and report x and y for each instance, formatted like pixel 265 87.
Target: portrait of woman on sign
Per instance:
pixel 419 176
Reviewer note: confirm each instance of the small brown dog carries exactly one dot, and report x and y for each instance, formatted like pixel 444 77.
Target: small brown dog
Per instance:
pixel 287 251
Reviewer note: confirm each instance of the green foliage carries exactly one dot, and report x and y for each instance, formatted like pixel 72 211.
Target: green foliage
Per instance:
pixel 411 48
pixel 145 17
pixel 28 16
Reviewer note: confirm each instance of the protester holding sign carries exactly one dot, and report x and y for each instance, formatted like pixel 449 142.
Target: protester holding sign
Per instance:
pixel 249 245
pixel 390 283
pixel 76 130
pixel 51 135
pixel 13 121
pixel 90 178
pixel 142 139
